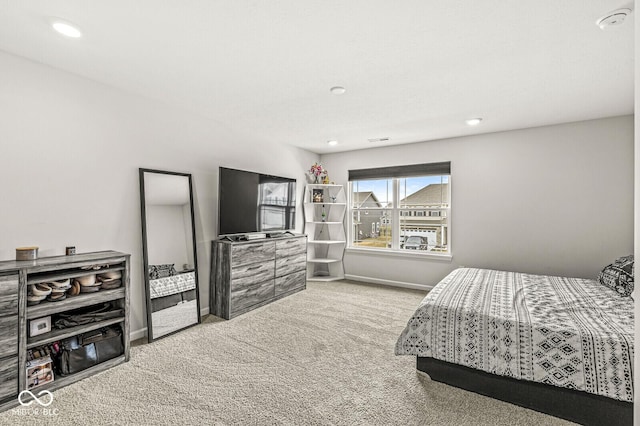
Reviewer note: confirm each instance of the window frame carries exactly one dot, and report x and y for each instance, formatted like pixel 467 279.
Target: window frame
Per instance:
pixel 396 215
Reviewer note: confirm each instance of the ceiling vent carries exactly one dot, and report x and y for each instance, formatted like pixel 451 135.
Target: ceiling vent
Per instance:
pixel 375 140
pixel 613 19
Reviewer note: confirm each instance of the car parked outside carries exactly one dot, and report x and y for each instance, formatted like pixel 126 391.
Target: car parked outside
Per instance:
pixel 416 242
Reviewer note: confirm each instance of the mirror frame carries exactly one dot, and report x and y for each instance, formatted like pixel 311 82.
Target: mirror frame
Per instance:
pixel 145 254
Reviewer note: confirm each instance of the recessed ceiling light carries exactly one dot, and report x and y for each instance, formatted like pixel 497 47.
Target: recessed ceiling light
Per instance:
pixel 473 121
pixel 338 90
pixel 332 142
pixel 66 29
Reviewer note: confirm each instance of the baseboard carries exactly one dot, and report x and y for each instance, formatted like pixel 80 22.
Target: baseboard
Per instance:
pixel 141 333
pixel 204 311
pixel 138 334
pixel 388 282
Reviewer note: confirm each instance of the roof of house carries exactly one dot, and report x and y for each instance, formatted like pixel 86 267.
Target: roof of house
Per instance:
pixel 436 193
pixel 359 198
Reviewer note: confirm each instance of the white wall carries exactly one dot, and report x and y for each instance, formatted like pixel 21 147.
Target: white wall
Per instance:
pixel 167 235
pixel 70 153
pixel 550 200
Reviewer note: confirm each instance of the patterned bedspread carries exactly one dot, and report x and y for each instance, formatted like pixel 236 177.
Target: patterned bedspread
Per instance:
pixel 167 286
pixel 567 332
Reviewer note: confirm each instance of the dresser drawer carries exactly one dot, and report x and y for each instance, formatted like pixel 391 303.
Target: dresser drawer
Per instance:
pixel 251 273
pixel 287 265
pixel 251 294
pixel 251 284
pixel 8 378
pixel 291 246
pixel 291 282
pixel 8 294
pixel 8 315
pixel 243 254
pixel 8 335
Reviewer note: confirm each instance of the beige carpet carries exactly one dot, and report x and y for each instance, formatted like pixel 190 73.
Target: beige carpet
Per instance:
pixel 320 357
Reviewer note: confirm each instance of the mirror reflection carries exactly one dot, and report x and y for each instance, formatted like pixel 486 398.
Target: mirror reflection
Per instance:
pixel 169 252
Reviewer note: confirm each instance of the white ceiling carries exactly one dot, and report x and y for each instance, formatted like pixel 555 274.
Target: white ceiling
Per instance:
pixel 413 70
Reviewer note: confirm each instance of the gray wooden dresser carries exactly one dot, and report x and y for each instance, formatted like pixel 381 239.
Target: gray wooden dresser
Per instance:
pixel 15 315
pixel 249 274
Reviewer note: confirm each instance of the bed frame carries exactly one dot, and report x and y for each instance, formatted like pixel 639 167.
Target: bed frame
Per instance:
pixel 576 406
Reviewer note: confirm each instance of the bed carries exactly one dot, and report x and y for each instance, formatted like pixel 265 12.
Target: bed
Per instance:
pixel 563 346
pixel 172 290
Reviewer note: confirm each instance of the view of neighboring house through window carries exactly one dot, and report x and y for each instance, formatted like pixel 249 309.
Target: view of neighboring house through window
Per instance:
pixel 400 210
pixel 276 205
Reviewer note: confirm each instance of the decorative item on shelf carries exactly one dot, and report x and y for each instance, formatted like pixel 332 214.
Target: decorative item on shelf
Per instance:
pixel 324 214
pixel 27 253
pixel 39 326
pixel 316 171
pixel 325 179
pixel 70 250
pixel 39 372
pixel 333 198
pixel 318 196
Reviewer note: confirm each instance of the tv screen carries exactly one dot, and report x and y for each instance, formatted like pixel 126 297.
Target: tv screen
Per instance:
pixel 254 202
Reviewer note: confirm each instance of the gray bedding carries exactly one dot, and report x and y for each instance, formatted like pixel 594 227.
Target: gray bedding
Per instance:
pixel 567 332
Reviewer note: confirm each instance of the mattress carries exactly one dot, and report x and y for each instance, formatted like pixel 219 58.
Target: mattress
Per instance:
pixel 568 332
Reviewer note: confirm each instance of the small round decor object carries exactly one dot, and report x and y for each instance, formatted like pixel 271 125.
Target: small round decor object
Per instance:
pixel 27 253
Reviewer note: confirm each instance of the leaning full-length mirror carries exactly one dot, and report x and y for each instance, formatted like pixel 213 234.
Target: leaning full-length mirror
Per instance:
pixel 169 250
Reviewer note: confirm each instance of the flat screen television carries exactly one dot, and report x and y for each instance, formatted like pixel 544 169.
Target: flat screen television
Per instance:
pixel 255 202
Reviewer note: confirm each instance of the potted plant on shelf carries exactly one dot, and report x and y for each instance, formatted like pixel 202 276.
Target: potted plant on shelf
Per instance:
pixel 316 171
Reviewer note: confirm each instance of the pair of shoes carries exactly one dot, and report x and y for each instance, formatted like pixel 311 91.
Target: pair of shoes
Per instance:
pixel 108 284
pixel 95 267
pixel 34 300
pixel 56 297
pixel 40 289
pixel 110 275
pixel 61 285
pixel 74 290
pixel 87 280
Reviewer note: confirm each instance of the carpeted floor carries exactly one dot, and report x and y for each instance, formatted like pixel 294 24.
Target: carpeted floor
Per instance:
pixel 320 357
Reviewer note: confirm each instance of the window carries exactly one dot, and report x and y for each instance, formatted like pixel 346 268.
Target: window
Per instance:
pixel 401 208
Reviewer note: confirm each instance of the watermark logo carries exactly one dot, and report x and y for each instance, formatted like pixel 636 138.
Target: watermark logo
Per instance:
pixel 42 402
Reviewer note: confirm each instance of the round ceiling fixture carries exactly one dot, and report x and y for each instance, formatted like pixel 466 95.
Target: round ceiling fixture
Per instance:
pixel 66 28
pixel 332 142
pixel 473 121
pixel 613 19
pixel 338 90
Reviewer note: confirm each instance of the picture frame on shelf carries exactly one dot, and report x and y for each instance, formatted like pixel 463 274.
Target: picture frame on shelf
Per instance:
pixel 317 195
